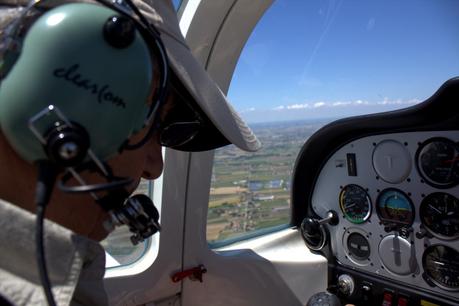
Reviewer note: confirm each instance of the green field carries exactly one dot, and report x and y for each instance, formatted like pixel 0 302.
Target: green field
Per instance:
pixel 233 215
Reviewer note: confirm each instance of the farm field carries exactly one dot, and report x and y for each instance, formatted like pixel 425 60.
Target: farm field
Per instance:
pixel 251 191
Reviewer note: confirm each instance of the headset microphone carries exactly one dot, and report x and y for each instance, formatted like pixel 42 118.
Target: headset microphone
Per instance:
pixel 137 212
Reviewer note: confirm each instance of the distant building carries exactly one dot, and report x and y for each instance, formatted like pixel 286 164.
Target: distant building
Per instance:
pixel 263 197
pixel 274 184
pixel 255 185
pixel 280 209
pixel 240 183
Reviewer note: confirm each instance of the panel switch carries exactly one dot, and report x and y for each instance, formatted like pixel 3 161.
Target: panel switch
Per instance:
pixel 387 299
pixel 402 301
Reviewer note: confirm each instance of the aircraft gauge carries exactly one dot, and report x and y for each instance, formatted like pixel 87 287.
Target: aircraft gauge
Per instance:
pixel 441 265
pixel 358 246
pixel 437 161
pixel 439 213
pixel 394 206
pixel 355 203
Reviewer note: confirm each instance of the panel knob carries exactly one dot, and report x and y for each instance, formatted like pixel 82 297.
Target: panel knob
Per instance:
pixel 346 284
pixel 323 299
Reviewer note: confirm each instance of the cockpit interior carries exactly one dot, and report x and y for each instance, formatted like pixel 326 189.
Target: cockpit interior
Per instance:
pixel 381 206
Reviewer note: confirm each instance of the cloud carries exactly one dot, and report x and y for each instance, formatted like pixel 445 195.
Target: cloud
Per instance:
pixel 355 103
pixel 386 101
pixel 339 103
pixel 323 109
pixel 319 104
pixel 298 106
pixel 252 109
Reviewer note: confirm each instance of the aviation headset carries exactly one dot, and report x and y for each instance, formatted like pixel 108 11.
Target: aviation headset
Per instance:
pixel 84 66
pixel 76 84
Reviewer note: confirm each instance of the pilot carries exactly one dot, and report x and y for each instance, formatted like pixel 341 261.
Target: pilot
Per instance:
pixel 83 154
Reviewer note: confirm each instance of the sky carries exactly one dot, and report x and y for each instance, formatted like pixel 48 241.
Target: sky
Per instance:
pixel 337 58
pixel 177 3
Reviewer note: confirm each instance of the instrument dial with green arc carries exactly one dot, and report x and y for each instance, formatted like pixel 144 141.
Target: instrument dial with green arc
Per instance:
pixel 355 203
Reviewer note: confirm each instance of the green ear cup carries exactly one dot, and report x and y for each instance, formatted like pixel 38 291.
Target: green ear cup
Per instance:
pixel 67 62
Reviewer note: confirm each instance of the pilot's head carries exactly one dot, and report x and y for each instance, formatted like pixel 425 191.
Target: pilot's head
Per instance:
pixel 93 92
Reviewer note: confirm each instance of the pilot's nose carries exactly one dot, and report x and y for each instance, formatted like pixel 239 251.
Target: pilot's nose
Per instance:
pixel 154 159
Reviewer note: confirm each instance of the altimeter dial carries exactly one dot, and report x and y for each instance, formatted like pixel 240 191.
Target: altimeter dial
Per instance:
pixel 441 265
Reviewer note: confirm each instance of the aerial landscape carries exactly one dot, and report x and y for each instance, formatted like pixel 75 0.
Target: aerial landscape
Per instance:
pixel 251 191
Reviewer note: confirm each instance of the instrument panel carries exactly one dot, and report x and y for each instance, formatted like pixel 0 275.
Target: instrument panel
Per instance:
pixel 397 200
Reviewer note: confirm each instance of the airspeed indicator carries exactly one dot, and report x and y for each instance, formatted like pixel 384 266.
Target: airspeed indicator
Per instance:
pixel 355 203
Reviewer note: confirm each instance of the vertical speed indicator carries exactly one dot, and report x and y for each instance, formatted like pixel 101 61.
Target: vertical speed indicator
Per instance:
pixel 439 213
pixel 355 203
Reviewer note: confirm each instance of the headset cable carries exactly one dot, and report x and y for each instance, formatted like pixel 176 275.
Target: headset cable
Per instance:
pixel 47 174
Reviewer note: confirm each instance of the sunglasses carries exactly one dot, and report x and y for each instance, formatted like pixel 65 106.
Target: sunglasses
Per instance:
pixel 177 121
pixel 181 123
